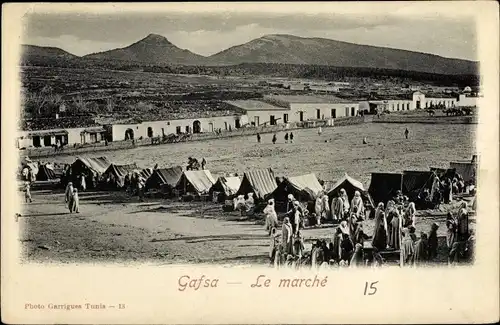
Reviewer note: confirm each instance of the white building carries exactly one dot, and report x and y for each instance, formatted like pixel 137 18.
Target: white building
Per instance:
pixel 300 108
pixel 68 136
pixel 466 100
pixel 149 129
pixel 262 113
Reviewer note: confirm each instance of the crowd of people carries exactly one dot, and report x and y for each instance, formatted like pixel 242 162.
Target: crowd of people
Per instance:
pixel 394 230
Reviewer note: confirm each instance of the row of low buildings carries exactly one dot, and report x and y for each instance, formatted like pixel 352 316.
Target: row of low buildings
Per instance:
pixel 271 110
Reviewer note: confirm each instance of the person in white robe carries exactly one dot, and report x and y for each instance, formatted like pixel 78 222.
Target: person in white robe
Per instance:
pixel 326 207
pixel 345 198
pixel 271 216
pixel 357 206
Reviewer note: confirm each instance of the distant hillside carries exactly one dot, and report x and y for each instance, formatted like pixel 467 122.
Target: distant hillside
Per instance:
pixel 320 51
pixel 284 54
pixel 31 51
pixel 153 49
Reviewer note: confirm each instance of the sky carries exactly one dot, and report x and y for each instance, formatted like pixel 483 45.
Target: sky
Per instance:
pixel 207 33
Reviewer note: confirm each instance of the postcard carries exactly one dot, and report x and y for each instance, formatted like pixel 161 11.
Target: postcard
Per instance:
pixel 273 162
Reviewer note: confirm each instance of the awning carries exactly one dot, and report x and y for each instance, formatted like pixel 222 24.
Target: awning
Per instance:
pixel 43 133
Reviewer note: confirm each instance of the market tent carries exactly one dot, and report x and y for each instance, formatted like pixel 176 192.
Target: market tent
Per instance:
pixel 466 169
pixel 415 182
pixel 85 164
pixel 88 166
pixel 261 182
pixel 116 174
pixel 351 185
pixel 303 188
pixel 146 173
pixel 226 187
pixel 383 186
pixel 195 181
pixel 46 173
pixel 164 177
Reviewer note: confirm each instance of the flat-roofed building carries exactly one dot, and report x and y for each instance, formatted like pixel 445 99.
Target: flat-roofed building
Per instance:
pixel 263 113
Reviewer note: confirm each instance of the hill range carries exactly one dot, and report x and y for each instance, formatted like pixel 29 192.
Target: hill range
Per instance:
pixel 284 49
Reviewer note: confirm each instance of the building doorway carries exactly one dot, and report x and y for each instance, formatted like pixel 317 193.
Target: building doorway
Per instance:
pixel 301 116
pixel 353 111
pixel 188 129
pixel 237 123
pixel 418 104
pixel 256 120
pixel 150 132
pixel 334 113
pixel 210 127
pixel 129 134
pixel 47 140
pixel 225 126
pixel 196 126
pixel 347 111
pixel 272 121
pixel 178 130
pixel 318 114
pixel 285 118
pixel 36 142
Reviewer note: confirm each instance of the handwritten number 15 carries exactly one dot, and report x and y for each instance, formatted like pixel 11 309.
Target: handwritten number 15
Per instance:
pixel 371 290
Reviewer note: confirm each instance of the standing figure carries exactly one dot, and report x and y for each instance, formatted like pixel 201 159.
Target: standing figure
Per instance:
pixel 338 208
pixel 74 202
pixel 409 215
pixel 68 193
pixel 320 131
pixel 406 133
pixel 380 231
pixel 407 250
pixel 83 183
pixel 357 206
pixel 27 192
pixel 421 250
pixel 258 137
pixel 326 207
pixel 394 235
pixel 291 137
pixel 286 236
pixel 318 208
pixel 274 244
pixel 432 242
pixel 451 230
pixel 271 216
pixel 274 138
pixel 286 137
pixel 203 163
pixel 345 198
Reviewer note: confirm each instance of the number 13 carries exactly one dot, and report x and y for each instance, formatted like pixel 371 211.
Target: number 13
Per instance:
pixel 372 288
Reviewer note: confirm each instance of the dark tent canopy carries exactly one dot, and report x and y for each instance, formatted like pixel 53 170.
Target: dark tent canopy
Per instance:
pixel 88 166
pixel 45 173
pixel 114 176
pixel 261 182
pixel 414 183
pixel 350 185
pixel 303 188
pixel 383 186
pixel 164 177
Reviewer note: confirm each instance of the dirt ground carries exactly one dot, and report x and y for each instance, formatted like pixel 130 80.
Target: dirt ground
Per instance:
pixel 429 145
pixel 113 227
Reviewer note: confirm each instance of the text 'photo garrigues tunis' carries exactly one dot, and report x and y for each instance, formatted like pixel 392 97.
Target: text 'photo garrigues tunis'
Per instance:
pixel 319 141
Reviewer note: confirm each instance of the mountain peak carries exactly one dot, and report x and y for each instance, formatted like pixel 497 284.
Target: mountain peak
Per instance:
pixel 155 38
